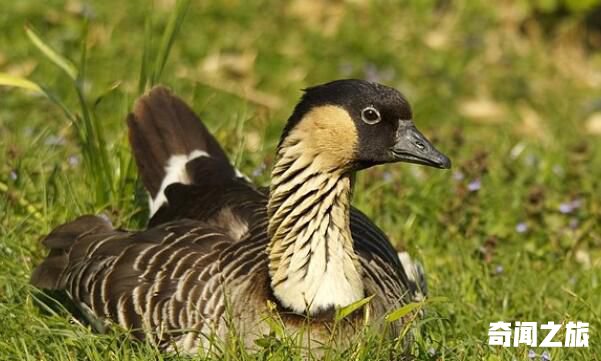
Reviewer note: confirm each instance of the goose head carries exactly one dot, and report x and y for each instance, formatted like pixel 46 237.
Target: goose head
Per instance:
pixel 355 124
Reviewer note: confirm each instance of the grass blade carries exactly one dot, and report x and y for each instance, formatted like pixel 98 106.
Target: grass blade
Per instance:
pixel 402 312
pixel 146 54
pixel 173 26
pixel 18 82
pixel 343 312
pixel 52 55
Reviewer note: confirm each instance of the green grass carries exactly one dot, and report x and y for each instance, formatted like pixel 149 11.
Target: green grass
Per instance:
pixel 512 106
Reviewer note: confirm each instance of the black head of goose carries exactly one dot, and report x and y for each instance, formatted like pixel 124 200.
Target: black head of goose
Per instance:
pixel 220 252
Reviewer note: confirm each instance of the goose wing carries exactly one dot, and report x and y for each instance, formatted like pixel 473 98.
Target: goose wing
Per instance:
pixel 162 279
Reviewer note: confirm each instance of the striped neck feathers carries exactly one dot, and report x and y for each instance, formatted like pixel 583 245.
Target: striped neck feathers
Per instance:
pixel 312 263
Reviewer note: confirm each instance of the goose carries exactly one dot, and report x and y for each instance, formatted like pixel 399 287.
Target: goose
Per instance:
pixel 220 252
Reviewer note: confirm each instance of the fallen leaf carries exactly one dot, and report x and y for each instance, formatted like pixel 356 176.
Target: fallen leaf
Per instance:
pixel 483 110
pixel 231 65
pixel 317 15
pixel 531 124
pixel 437 39
pixel 593 124
pixel 22 69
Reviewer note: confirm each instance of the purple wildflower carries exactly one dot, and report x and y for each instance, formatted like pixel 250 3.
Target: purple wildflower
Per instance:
pixel 387 176
pixel 577 203
pixel 571 206
pixel 73 160
pixel 532 355
pixel 458 175
pixel 474 185
pixel 546 356
pixel 87 11
pixel 499 269
pixel 530 160
pixel 259 170
pixel 574 223
pixel 521 227
pixel 558 170
pixel 566 208
pixel 374 74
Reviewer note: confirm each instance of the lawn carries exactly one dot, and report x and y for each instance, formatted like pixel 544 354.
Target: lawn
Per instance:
pixel 511 233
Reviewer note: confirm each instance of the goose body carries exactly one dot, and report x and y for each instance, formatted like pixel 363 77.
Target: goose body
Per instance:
pixel 222 254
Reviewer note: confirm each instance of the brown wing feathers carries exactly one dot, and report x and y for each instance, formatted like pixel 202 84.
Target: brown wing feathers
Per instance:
pixel 146 280
pixel 60 241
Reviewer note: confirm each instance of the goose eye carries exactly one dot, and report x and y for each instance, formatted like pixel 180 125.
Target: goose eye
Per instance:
pixel 370 115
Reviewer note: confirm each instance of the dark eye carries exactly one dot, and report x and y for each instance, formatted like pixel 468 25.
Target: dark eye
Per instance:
pixel 370 115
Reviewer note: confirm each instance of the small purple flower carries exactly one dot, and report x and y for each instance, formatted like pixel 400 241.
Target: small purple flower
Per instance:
pixel 259 170
pixel 574 223
pixel 458 175
pixel 13 175
pixel 546 356
pixel 577 203
pixel 374 74
pixel 566 208
pixel 73 160
pixel 88 11
pixel 474 185
pixel 532 355
pixel 558 170
pixel 531 160
pixel 499 269
pixel 571 206
pixel 521 227
pixel 388 177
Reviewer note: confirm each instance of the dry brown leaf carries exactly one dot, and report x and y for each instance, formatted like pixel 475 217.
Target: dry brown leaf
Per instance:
pixel 318 15
pixel 74 7
pixel 531 124
pixel 593 124
pixel 583 258
pixel 483 110
pixel 22 69
pixel 165 5
pixel 253 141
pixel 239 66
pixel 437 39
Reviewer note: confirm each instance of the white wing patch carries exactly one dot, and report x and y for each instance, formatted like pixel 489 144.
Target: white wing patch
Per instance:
pixel 175 172
pixel 415 273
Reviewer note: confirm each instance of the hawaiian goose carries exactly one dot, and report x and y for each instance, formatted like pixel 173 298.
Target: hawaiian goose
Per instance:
pixel 220 252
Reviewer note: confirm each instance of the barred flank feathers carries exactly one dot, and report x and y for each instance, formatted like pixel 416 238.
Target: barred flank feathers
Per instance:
pixel 47 274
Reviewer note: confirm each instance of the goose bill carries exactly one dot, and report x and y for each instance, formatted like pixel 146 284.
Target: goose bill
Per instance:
pixel 412 146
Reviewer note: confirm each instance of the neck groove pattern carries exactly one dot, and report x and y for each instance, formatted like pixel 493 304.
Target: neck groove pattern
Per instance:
pixel 312 263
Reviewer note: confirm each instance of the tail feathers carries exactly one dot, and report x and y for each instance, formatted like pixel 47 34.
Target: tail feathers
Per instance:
pixel 165 134
pixel 48 274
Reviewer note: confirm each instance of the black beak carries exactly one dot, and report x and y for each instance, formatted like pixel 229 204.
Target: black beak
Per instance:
pixel 412 147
